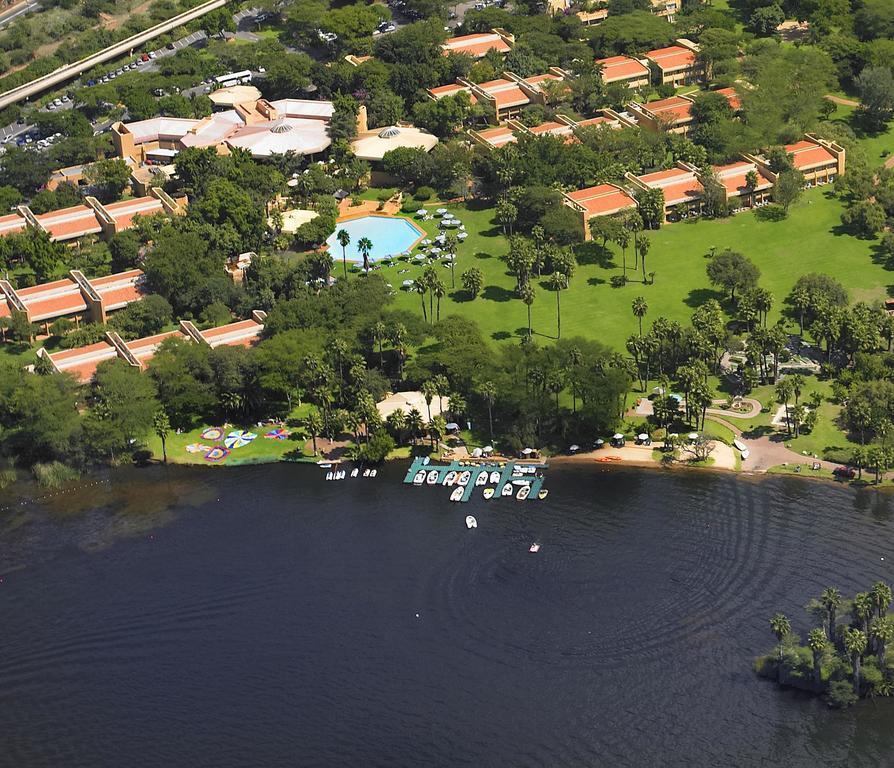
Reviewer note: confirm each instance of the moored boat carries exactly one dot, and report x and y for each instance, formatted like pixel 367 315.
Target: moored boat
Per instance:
pixel 471 522
pixel 534 548
pixel 507 490
pixel 355 472
pixel 495 477
pixel 419 477
pixel 432 477
pixel 457 494
pixel 329 475
pixel 543 494
pixel 464 478
pixel 488 493
pixel 450 478
pixel 482 478
pixel 523 492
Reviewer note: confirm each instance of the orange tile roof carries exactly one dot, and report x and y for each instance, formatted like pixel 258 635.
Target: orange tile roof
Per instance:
pixel 55 299
pixel 733 177
pixel 602 200
pixel 68 223
pixel 131 274
pixel 83 361
pixel 447 90
pixel 144 349
pixel 497 137
pixel 551 127
pixel 676 108
pixel 678 185
pixel 617 68
pixel 240 333
pixel 672 57
pixel 732 97
pixel 476 45
pixel 808 154
pixel 537 79
pixel 600 120
pixel 12 223
pixel 506 93
pixel 124 212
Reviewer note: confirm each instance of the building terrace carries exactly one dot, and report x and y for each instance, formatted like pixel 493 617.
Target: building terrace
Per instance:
pixel 479 44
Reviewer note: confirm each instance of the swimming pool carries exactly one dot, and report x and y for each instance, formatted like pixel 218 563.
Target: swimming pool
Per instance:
pixel 390 236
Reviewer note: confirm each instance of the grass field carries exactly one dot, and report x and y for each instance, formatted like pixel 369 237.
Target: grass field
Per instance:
pixel 810 240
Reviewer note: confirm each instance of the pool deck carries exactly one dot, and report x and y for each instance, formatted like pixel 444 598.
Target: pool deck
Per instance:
pixel 508 472
pixel 378 215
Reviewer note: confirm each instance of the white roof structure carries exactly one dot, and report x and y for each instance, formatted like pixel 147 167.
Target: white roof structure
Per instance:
pixel 372 145
pixel 406 401
pixel 234 94
pixel 287 134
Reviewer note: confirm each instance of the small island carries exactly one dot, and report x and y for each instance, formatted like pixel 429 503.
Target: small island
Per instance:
pixel 844 661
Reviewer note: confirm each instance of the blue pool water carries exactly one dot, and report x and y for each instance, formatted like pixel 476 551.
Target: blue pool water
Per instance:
pixel 390 236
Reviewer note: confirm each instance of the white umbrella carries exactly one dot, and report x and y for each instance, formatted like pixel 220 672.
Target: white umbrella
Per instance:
pixel 407 283
pixel 642 436
pixel 436 250
pixel 618 436
pixel 441 211
pixel 462 235
pixel 693 435
pixel 427 241
pixel 476 452
pixel 574 448
pixel 419 257
pixel 421 212
pixel 527 451
pixel 452 425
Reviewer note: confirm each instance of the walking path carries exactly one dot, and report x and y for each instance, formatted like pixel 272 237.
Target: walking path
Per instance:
pixel 843 102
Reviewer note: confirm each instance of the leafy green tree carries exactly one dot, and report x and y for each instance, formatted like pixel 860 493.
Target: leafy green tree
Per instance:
pixel 218 21
pixel 733 272
pixel 110 177
pixel 876 88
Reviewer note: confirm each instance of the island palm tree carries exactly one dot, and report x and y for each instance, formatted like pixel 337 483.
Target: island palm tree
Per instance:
pixel 640 308
pixel 397 423
pixel 862 609
pixel 488 392
pixel 751 182
pixel 882 632
pixel 344 240
pixel 622 238
pixel 881 595
pixel 782 628
pixel 527 294
pixel 436 429
pixel 855 645
pixel 558 282
pixel 364 245
pixel 818 643
pixel 830 600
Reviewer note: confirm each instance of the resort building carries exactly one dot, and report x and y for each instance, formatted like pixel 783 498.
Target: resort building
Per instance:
pixel 83 361
pixel 820 161
pixel 735 102
pixel 230 97
pixel 562 127
pixel 667 9
pixel 602 200
pixel 682 188
pixel 624 70
pixel 264 128
pixel 74 297
pixel 373 144
pixel 480 44
pixel 592 18
pixel 506 96
pixel 76 175
pixel 734 179
pixel 93 218
pixel 673 115
pixel 678 64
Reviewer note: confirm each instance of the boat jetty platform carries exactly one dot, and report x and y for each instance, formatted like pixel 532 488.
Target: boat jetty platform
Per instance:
pixel 489 477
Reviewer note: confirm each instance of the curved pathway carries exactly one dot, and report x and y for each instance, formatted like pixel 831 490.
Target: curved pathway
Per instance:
pixel 839 100
pixel 754 409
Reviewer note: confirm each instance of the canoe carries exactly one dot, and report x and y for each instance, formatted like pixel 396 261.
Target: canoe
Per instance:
pixel 419 477
pixel 607 458
pixel 355 472
pixel 328 475
pixel 366 473
pixel 373 472
pixel 534 548
pixel 488 493
pixel 425 461
pixel 432 477
pixel 464 478
pixel 523 492
pixel 450 478
pixel 543 494
pixel 471 522
pixel 482 478
pixel 457 494
pixel 495 477
pixel 507 489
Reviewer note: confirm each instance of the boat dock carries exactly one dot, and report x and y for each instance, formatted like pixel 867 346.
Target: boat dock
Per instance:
pixel 515 472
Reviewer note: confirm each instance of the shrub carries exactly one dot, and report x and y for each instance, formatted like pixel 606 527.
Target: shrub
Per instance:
pixel 377 449
pixel 423 193
pixel 841 694
pixel 54 474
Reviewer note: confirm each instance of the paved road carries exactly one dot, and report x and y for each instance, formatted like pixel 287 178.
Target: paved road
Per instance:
pixel 19 9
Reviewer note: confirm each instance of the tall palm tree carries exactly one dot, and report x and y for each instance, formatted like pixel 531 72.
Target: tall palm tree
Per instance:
pixel 162 426
pixel 415 423
pixel 344 240
pixel 881 595
pixel 451 245
pixel 830 599
pixel 640 308
pixel 438 290
pixel 436 429
pixel 558 282
pixel 643 243
pixel 527 294
pixel 782 628
pixel 622 238
pixel 488 392
pixel 429 390
pixel 882 631
pixel 751 182
pixel 397 423
pixel 862 609
pixel 364 245
pixel 855 644
pixel 783 395
pixel 314 424
pixel 420 285
pixel 399 340
pixel 380 333
pixel 818 643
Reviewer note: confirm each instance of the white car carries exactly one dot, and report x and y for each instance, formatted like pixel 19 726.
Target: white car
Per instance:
pixel 152 54
pixel 57 102
pixel 51 106
pixel 65 99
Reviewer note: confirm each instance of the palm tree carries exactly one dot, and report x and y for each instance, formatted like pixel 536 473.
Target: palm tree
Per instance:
pixel 862 609
pixel 882 630
pixel 558 282
pixel 488 392
pixel 622 238
pixel 314 425
pixel 527 294
pixel 399 340
pixel 343 240
pixel 414 423
pixel 421 287
pixel 830 599
pixel 451 245
pixel 438 290
pixel 397 423
pixel 782 628
pixel 640 307
pixel 642 245
pixel 818 643
pixel 379 335
pixel 162 427
pixel 855 644
pixel 881 595
pixel 364 245
pixel 429 390
pixel 783 394
pixel 801 301
pixel 457 404
pixel 436 429
pixel 751 182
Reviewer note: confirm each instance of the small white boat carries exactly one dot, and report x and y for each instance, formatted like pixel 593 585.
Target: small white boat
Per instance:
pixel 523 492
pixel 329 475
pixel 457 494
pixel 450 478
pixel 543 494
pixel 482 478
pixel 471 522
pixel 366 473
pixel 534 548
pixel 488 493
pixel 495 477
pixel 373 472
pixel 425 461
pixel 341 475
pixel 432 477
pixel 419 477
pixel 324 464
pixel 464 478
pixel 507 490
pixel 355 472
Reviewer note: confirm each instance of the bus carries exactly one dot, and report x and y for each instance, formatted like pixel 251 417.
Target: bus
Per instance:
pixel 234 78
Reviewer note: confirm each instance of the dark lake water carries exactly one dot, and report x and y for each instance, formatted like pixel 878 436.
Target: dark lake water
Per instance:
pixel 263 617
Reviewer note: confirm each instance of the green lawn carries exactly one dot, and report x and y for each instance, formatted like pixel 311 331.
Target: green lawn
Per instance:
pixel 810 240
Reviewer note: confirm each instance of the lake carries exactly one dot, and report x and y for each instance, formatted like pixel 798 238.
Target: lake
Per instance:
pixel 262 616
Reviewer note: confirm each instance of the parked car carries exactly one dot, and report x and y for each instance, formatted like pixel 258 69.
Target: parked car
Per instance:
pixel 144 57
